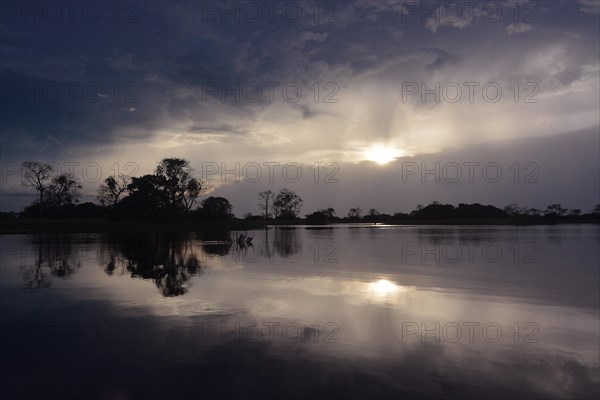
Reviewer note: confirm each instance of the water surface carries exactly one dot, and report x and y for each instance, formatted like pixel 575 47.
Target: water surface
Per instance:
pixel 343 311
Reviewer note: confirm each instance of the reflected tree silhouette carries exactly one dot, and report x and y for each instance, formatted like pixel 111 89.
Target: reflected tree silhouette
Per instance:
pixel 168 259
pixel 283 241
pixel 55 257
pixel 286 242
pixel 35 276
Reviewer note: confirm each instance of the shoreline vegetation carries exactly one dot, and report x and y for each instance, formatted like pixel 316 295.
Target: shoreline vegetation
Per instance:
pixel 165 200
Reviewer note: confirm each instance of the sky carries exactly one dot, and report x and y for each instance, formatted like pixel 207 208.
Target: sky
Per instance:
pixel 370 104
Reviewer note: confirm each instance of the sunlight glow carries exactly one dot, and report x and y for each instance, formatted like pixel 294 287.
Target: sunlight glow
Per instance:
pixel 382 287
pixel 381 154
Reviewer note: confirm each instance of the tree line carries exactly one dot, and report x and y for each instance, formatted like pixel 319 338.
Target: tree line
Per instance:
pixel 169 193
pixel 172 190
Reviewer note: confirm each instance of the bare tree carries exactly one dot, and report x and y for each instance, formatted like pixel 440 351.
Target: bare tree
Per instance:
pixel 37 174
pixel 265 200
pixel 64 189
pixel 112 189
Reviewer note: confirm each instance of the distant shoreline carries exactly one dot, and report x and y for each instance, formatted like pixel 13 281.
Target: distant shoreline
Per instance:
pixel 26 226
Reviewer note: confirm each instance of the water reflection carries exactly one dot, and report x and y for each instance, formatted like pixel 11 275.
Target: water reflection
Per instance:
pixel 283 241
pixel 54 257
pixel 394 299
pixel 217 242
pixel 169 260
pixel 286 242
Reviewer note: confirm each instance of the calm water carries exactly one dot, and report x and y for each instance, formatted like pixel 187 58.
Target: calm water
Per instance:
pixel 341 312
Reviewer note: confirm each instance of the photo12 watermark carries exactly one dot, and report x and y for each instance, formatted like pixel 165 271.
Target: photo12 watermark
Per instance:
pixel 269 331
pixel 461 252
pixel 468 332
pixel 268 12
pixel 269 92
pixel 269 172
pixel 71 92
pixel 455 92
pixel 277 251
pixel 70 12
pixel 89 171
pixel 525 172
pixel 326 12
pixel 469 11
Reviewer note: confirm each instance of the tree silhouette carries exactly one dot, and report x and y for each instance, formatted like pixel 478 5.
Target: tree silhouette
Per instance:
pixel 287 204
pixel 555 210
pixel 168 193
pixel 265 200
pixel 321 216
pixel 513 210
pixel 63 189
pixel 329 212
pixel 355 213
pixel 171 192
pixel 180 187
pixel 192 192
pixel 147 200
pixel 216 208
pixel 112 189
pixel 373 212
pixel 36 174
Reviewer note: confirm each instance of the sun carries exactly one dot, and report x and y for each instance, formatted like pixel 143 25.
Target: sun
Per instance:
pixel 381 154
pixel 383 287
